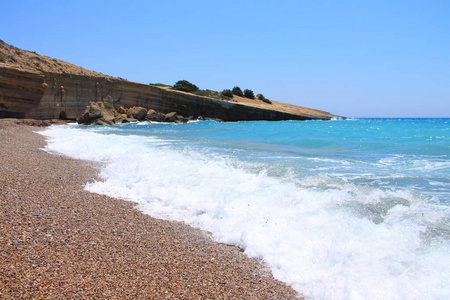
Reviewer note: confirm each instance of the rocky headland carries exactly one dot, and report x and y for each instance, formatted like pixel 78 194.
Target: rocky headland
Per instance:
pixel 40 87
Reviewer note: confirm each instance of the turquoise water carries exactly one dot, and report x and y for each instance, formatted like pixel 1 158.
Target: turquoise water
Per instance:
pixel 408 154
pixel 345 209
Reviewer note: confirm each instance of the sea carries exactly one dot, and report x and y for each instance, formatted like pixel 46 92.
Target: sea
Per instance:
pixel 340 209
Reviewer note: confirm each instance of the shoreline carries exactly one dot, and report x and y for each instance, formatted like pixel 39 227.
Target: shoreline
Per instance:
pixel 59 241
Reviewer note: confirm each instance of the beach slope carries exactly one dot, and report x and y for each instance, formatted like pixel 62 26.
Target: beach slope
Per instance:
pixel 59 241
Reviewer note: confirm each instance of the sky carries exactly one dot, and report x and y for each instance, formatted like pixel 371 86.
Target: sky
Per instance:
pixel 384 58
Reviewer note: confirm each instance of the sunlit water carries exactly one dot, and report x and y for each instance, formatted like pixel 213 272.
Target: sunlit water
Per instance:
pixel 348 209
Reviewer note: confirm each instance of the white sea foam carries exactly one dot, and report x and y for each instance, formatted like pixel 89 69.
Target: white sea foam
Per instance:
pixel 414 163
pixel 323 235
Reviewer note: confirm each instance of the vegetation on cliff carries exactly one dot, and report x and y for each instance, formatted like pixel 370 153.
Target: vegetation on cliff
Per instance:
pixel 226 94
pixel 185 86
pixel 160 84
pixel 264 99
pixel 237 91
pixel 249 94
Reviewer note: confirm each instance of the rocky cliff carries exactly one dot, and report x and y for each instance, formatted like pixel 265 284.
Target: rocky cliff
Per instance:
pixel 40 87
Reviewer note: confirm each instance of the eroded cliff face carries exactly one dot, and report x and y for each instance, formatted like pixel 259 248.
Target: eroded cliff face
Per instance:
pixel 20 92
pixel 39 87
pixel 38 95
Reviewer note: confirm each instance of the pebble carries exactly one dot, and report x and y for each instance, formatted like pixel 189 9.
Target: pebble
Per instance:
pixel 102 247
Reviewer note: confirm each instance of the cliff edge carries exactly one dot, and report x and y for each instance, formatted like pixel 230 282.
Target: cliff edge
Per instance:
pixel 41 87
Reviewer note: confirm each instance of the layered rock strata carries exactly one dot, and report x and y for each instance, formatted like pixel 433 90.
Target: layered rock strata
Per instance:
pixel 39 87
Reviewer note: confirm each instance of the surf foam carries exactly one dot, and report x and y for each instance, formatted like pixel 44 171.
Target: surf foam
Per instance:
pixel 325 236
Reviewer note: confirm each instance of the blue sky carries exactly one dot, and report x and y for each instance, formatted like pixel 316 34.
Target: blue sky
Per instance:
pixel 352 58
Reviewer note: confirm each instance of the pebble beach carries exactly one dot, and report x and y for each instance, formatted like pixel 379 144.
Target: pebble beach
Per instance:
pixel 58 241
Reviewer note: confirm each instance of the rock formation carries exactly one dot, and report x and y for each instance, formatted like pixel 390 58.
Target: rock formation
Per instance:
pixel 104 113
pixel 40 87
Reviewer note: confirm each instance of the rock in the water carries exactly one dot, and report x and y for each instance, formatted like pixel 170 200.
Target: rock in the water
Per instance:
pixel 102 121
pixel 180 119
pixel 95 111
pixel 170 117
pixel 152 115
pixel 88 118
pixel 104 113
pixel 121 118
pixel 129 120
pixel 136 112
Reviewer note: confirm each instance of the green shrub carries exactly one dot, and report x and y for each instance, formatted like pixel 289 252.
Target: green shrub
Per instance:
pixel 262 98
pixel 227 93
pixel 159 84
pixel 249 94
pixel 237 91
pixel 201 93
pixel 1 58
pixel 211 94
pixel 185 86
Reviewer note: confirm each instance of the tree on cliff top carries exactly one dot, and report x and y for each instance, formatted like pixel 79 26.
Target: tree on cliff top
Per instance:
pixel 185 86
pixel 249 94
pixel 237 91
pixel 227 93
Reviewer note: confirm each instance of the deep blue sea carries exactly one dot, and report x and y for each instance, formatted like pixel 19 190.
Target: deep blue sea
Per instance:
pixel 344 209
